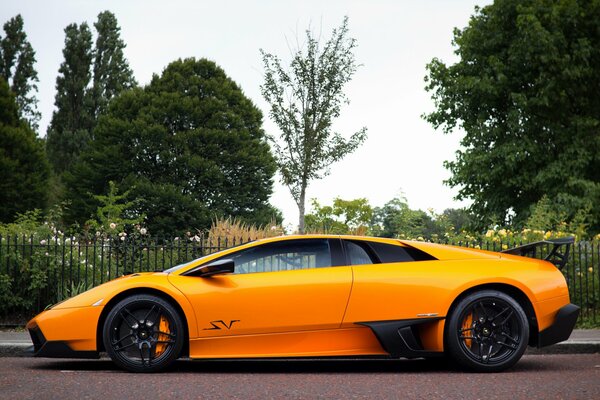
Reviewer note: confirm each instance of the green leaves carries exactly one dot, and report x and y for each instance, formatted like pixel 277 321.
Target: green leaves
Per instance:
pixel 305 98
pixel 525 92
pixel 17 58
pixel 189 147
pixel 23 167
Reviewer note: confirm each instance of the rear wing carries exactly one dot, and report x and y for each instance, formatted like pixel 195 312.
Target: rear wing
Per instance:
pixel 558 255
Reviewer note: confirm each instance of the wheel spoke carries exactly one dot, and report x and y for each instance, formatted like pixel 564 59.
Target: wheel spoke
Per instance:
pixel 124 347
pixel 489 353
pixel 506 335
pixel 165 341
pixel 466 330
pixel 149 312
pixel 500 313
pixel 482 307
pixel 505 320
pixel 510 346
pixel 468 337
pixel 123 338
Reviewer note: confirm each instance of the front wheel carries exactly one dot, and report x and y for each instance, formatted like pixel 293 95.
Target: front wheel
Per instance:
pixel 143 333
pixel 488 331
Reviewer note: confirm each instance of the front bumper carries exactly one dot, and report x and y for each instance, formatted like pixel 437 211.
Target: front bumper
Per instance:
pixel 562 327
pixel 55 348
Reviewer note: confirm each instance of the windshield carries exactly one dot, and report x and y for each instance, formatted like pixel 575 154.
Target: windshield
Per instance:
pixel 199 260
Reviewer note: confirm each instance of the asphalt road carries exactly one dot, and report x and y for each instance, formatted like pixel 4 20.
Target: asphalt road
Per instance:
pixel 574 376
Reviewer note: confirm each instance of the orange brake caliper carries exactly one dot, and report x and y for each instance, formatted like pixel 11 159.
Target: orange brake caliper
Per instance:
pixel 163 326
pixel 467 324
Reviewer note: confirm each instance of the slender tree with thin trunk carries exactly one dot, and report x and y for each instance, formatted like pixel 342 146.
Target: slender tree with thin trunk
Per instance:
pixel 305 98
pixel 69 128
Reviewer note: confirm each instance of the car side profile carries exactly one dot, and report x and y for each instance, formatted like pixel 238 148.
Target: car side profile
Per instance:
pixel 320 296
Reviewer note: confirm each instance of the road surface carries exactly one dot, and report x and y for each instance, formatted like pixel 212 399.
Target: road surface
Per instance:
pixel 568 376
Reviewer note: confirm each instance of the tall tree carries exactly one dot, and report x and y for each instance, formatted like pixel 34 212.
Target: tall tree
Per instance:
pixel 525 92
pixel 188 147
pixel 111 69
pixel 69 129
pixel 17 58
pixel 23 166
pixel 305 98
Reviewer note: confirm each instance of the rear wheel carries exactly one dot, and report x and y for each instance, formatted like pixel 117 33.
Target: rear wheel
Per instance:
pixel 143 333
pixel 487 331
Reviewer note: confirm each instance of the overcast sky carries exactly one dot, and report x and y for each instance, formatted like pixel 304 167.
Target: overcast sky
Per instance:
pixel 403 154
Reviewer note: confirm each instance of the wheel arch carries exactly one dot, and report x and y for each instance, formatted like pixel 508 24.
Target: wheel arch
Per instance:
pixel 142 290
pixel 513 291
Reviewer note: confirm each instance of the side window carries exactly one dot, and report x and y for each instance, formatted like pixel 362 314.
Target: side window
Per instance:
pixel 283 256
pixel 356 254
pixel 389 253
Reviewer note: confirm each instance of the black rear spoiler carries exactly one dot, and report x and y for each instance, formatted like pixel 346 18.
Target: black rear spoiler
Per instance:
pixel 557 256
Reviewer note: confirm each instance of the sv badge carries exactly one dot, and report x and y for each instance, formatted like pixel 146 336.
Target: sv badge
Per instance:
pixel 218 325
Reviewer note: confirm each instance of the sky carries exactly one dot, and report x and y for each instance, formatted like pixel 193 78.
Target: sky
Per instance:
pixel 403 154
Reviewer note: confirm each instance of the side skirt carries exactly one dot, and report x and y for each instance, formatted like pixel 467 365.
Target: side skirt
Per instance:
pixel 399 337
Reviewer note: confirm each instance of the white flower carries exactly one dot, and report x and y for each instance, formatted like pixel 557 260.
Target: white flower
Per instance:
pixel 143 231
pixel 122 238
pixel 113 225
pixel 43 242
pixel 196 238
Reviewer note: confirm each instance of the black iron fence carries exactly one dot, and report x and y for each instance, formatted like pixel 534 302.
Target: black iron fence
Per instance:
pixel 36 272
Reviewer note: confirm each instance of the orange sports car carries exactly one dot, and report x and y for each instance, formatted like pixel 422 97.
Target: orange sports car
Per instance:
pixel 321 296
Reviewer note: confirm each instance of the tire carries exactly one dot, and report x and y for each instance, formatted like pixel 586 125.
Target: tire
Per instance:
pixel 488 331
pixel 143 333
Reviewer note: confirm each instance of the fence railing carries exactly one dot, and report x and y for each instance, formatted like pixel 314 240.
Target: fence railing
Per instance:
pixel 36 272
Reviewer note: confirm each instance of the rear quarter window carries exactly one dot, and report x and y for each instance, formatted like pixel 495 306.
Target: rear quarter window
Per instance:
pixel 389 253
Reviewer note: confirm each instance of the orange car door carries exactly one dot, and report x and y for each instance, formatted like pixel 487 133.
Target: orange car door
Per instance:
pixel 390 277
pixel 281 286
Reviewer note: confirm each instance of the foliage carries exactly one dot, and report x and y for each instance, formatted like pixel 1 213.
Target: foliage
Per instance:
pixel 115 214
pixel 111 72
pixel 78 104
pixel 17 58
pixel 68 132
pixel 397 219
pixel 188 147
pixel 343 217
pixel 525 92
pixel 24 169
pixel 305 99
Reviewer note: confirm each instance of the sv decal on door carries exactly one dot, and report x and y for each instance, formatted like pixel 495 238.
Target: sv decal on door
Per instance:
pixel 218 325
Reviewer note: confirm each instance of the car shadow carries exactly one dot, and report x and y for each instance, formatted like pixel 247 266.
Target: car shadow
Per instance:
pixel 285 366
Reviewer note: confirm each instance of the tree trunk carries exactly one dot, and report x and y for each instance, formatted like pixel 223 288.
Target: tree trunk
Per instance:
pixel 301 210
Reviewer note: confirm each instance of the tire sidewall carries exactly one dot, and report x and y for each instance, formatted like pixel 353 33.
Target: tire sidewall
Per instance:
pixel 454 348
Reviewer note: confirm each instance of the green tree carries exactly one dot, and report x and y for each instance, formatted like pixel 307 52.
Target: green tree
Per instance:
pixel 305 98
pixel 115 212
pixel 397 219
pixel 112 73
pixel 188 147
pixel 344 217
pixel 23 166
pixel 525 92
pixel 69 129
pixel 17 58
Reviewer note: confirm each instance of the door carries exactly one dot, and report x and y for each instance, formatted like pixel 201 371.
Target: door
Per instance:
pixel 282 286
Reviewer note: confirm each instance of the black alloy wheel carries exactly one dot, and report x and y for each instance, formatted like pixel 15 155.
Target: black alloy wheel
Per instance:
pixel 143 333
pixel 488 331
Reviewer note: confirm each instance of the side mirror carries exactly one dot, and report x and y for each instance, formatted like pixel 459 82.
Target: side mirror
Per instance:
pixel 225 266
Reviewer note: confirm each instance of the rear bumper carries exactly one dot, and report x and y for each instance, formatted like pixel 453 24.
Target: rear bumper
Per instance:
pixel 562 327
pixel 55 348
